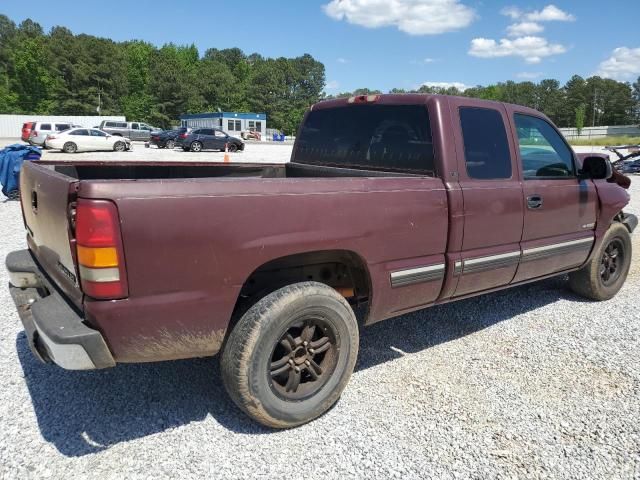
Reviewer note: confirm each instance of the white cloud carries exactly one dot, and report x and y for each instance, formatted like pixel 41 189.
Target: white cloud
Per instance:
pixel 550 13
pixel 532 49
pixel 415 17
pixel 332 85
pixel 342 60
pixel 513 12
pixel 523 29
pixel 459 85
pixel 529 75
pixel 623 64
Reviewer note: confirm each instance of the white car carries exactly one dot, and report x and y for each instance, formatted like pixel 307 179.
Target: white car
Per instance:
pixel 86 140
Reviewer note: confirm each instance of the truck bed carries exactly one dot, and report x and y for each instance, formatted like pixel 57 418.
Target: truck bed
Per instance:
pixel 176 170
pixel 196 237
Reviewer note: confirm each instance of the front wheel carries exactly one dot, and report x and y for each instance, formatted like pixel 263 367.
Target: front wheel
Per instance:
pixel 291 355
pixel 170 144
pixel 119 146
pixel 607 270
pixel 232 147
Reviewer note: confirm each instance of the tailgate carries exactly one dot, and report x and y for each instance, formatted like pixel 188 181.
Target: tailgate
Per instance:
pixel 46 196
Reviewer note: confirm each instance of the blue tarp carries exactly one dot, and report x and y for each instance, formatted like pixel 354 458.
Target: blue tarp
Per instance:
pixel 11 159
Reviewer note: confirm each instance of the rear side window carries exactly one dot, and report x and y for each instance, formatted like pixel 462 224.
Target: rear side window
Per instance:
pixel 45 126
pixel 368 136
pixel 60 127
pixel 486 149
pixel 543 153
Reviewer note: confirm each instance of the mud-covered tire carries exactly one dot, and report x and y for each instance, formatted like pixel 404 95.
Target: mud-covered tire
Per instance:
pixel 69 147
pixel 595 280
pixel 259 342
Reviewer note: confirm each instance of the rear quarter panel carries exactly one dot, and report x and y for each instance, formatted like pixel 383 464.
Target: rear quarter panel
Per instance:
pixel 191 244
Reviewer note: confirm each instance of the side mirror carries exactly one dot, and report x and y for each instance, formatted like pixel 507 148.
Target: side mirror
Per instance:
pixel 596 168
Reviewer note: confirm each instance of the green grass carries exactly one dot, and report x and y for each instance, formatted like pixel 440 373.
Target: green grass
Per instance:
pixel 605 141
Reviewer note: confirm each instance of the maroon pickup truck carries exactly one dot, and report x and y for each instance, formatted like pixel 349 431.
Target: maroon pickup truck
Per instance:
pixel 391 203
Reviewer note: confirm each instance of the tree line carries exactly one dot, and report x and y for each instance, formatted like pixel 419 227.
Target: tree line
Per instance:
pixel 579 102
pixel 59 73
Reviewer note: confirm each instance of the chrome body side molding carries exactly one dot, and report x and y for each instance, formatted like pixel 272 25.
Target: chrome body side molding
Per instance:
pixel 410 276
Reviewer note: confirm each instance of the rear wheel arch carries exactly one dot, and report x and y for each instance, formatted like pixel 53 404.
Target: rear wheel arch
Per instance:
pixel 342 270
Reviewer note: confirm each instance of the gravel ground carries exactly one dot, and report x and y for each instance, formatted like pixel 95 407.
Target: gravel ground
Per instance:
pixel 527 383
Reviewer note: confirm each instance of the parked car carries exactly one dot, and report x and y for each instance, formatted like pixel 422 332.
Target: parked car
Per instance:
pixel 41 130
pixel 87 140
pixel 26 131
pixel 390 204
pixel 131 130
pixel 629 166
pixel 210 139
pixel 167 139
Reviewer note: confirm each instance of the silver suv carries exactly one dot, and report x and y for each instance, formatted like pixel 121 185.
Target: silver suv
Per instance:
pixel 131 130
pixel 41 130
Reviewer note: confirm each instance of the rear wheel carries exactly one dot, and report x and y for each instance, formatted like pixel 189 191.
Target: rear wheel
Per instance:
pixel 70 147
pixel 119 146
pixel 607 271
pixel 291 355
pixel 196 146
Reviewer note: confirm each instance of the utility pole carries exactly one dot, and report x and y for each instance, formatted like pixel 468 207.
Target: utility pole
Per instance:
pixel 595 99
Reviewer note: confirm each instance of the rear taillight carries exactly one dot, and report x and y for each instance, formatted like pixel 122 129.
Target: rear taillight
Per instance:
pixel 183 135
pixel 51 137
pixel 99 246
pixel 34 133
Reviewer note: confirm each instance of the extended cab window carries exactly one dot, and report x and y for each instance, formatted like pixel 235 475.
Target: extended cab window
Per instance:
pixel 374 137
pixel 486 148
pixel 543 152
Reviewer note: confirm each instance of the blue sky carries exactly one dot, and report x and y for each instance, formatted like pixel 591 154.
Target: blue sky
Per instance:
pixel 382 43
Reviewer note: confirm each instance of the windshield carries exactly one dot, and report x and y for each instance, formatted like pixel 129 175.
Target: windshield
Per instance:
pixel 374 137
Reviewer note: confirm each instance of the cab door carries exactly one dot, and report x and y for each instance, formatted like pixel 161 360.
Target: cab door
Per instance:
pixel 560 210
pixel 489 178
pixel 134 133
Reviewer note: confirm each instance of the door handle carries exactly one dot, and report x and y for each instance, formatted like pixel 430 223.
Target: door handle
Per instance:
pixel 534 202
